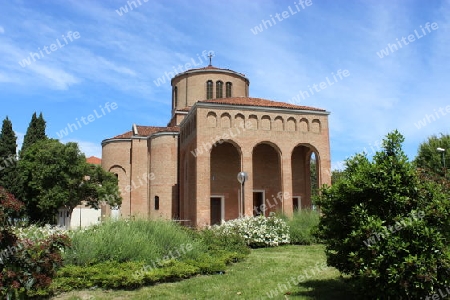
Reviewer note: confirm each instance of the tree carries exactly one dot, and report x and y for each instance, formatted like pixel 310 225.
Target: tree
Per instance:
pixel 56 175
pixel 429 159
pixel 336 175
pixel 35 132
pixel 386 226
pixel 8 157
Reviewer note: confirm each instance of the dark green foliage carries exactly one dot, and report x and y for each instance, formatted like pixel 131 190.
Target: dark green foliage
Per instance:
pixel 8 140
pixel 431 162
pixel 8 157
pixel 387 228
pixel 55 175
pixel 26 267
pixel 35 132
pixel 336 175
pixel 114 275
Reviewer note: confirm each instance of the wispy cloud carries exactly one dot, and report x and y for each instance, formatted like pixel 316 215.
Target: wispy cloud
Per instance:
pixel 119 57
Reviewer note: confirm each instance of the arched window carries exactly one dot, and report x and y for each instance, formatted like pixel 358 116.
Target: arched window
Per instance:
pixel 219 89
pixel 156 202
pixel 175 96
pixel 209 89
pixel 228 89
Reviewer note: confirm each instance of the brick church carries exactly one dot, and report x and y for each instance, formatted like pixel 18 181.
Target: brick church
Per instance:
pixel 189 170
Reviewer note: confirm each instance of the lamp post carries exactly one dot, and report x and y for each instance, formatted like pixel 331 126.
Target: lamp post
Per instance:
pixel 442 150
pixel 242 177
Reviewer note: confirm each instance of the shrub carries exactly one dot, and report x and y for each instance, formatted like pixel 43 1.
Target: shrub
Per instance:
pixel 386 228
pixel 302 226
pixel 36 233
pixel 228 246
pixel 214 251
pixel 131 240
pixel 257 231
pixel 27 266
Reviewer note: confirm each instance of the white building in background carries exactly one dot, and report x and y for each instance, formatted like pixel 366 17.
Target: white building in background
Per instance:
pixel 82 215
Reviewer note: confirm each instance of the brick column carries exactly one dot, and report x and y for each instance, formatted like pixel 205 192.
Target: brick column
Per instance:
pixel 286 181
pixel 203 189
pixel 247 166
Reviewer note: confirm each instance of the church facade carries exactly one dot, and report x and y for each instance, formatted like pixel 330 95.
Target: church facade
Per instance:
pixel 189 169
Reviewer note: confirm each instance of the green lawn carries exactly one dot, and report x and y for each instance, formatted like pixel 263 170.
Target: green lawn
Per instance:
pixel 264 271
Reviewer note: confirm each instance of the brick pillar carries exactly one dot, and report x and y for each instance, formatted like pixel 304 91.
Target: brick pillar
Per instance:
pixel 203 189
pixel 286 182
pixel 247 166
pixel 325 168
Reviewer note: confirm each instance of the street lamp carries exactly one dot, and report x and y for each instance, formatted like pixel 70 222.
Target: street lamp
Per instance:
pixel 442 150
pixel 242 177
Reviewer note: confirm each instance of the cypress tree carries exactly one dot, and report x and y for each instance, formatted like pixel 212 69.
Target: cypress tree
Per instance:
pixel 35 131
pixel 8 157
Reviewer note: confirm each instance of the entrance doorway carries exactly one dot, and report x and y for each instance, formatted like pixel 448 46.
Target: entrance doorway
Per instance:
pixel 297 203
pixel 258 203
pixel 216 210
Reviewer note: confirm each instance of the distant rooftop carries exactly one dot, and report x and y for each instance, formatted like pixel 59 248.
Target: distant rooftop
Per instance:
pixel 94 160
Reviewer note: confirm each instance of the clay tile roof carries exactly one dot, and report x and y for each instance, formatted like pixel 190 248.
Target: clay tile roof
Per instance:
pixel 146 131
pixel 125 135
pixel 247 101
pixel 94 160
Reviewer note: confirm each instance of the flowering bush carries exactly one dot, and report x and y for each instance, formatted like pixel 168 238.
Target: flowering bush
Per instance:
pixel 27 263
pixel 257 231
pixel 36 233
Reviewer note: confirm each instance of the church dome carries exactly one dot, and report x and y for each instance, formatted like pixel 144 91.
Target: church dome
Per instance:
pixel 207 83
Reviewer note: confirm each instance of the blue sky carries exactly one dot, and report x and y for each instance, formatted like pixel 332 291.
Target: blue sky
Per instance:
pixel 101 57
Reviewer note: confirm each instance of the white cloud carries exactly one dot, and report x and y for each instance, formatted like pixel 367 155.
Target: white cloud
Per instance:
pixel 88 148
pixel 2 30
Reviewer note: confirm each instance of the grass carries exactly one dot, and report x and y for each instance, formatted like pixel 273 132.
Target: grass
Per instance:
pixel 123 241
pixel 302 224
pixel 263 271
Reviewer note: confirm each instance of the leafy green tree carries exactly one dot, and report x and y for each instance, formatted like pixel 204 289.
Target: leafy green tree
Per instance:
pixel 56 175
pixel 429 159
pixel 386 226
pixel 336 175
pixel 8 157
pixel 35 132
